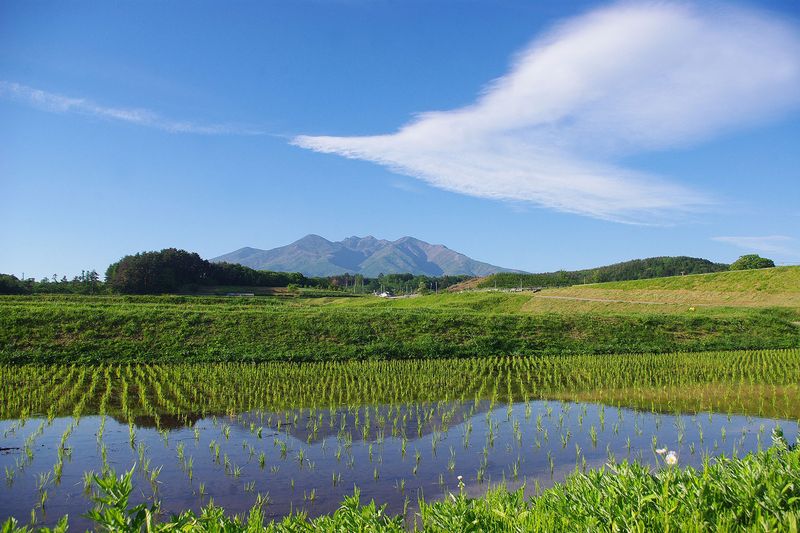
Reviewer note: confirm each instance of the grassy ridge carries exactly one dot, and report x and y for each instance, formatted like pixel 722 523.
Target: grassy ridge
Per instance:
pixel 771 280
pixel 87 329
pixel 778 287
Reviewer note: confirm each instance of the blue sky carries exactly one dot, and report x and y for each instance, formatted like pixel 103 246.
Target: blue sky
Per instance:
pixel 532 135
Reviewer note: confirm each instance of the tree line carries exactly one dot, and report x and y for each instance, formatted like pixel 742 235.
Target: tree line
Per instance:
pixel 653 267
pixel 177 271
pixel 172 270
pixel 391 283
pixel 88 282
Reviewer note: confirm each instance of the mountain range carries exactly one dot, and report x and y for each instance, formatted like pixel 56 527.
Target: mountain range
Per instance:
pixel 316 256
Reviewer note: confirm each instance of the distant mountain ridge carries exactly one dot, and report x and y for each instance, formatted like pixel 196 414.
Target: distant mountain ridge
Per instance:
pixel 316 256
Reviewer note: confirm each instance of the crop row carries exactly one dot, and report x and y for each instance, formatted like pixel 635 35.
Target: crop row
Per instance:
pixel 761 382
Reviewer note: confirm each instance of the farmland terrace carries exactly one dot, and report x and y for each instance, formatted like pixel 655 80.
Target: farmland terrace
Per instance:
pixel 721 311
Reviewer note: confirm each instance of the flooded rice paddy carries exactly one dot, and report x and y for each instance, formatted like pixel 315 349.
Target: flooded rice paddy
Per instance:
pixel 300 437
pixel 309 459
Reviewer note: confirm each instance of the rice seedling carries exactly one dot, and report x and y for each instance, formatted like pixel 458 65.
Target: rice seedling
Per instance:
pixel 58 469
pixel 42 480
pixel 399 400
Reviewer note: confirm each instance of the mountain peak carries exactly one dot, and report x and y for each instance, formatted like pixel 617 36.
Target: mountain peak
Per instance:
pixel 312 237
pixel 314 255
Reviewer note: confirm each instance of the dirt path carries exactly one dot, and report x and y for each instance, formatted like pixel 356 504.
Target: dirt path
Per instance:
pixel 608 300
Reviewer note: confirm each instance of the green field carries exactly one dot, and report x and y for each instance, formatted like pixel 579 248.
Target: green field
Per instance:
pixel 719 311
pixel 184 328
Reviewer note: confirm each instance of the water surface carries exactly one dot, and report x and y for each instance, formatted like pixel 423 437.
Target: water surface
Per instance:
pixel 309 459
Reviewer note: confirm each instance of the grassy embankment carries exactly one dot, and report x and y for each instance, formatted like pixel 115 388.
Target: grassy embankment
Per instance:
pixel 722 311
pixel 776 287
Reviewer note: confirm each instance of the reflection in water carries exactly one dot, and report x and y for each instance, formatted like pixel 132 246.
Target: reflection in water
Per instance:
pixel 162 421
pixel 309 459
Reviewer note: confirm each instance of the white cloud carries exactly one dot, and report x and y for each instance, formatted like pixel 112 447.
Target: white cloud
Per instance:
pixel 614 82
pixel 771 244
pixel 58 103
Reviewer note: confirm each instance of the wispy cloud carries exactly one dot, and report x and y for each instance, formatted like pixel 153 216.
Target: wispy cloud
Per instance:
pixel 405 186
pixel 58 103
pixel 771 244
pixel 614 82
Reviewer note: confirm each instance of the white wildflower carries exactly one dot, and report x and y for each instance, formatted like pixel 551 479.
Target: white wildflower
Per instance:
pixel 671 458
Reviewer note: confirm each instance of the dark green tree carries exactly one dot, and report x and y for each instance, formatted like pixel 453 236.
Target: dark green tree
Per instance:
pixel 157 272
pixel 9 284
pixel 172 270
pixel 751 261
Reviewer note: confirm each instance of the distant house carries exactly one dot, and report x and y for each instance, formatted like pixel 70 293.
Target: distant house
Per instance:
pixel 240 294
pixel 385 294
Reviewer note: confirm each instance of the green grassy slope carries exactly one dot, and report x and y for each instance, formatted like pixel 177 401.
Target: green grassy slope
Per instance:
pixel 770 287
pixel 210 329
pixel 772 280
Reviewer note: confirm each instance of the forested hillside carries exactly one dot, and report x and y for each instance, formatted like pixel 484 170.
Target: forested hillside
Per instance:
pixel 653 267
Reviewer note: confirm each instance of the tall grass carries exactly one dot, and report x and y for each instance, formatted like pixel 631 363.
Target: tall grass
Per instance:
pixel 759 492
